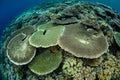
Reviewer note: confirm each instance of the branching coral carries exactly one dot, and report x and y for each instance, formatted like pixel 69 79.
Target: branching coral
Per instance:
pixel 105 75
pixel 111 69
pixel 86 73
pixel 72 66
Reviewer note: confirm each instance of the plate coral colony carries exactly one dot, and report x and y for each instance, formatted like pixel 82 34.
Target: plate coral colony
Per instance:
pixel 79 41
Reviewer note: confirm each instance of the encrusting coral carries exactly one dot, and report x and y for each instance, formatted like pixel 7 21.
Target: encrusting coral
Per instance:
pixel 19 51
pixel 82 41
pixel 46 62
pixel 72 66
pixel 46 37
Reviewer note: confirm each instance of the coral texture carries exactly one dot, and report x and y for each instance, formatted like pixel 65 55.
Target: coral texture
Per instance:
pixel 72 66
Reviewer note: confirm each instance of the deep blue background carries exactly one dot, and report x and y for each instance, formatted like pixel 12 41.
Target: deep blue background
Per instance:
pixel 9 9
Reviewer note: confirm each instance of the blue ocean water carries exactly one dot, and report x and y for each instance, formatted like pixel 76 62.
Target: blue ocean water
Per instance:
pixel 9 9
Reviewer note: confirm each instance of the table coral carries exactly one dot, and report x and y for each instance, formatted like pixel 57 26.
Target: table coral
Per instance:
pixel 19 51
pixel 82 41
pixel 96 20
pixel 45 62
pixel 117 38
pixel 46 37
pixel 26 30
pixel 45 26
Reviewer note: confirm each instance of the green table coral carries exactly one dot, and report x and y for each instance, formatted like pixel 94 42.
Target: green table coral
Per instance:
pixel 47 37
pixel 46 62
pixel 117 38
pixel 45 26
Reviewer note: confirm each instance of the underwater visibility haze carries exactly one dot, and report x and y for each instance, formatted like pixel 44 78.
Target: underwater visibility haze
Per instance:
pixel 60 40
pixel 10 9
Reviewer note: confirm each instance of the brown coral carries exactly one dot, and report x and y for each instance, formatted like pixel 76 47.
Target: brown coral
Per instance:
pixel 86 73
pixel 26 30
pixel 82 41
pixel 19 51
pixel 93 62
pixel 111 69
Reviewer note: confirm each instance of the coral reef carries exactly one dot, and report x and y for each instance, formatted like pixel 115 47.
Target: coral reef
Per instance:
pixel 86 30
pixel 72 66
